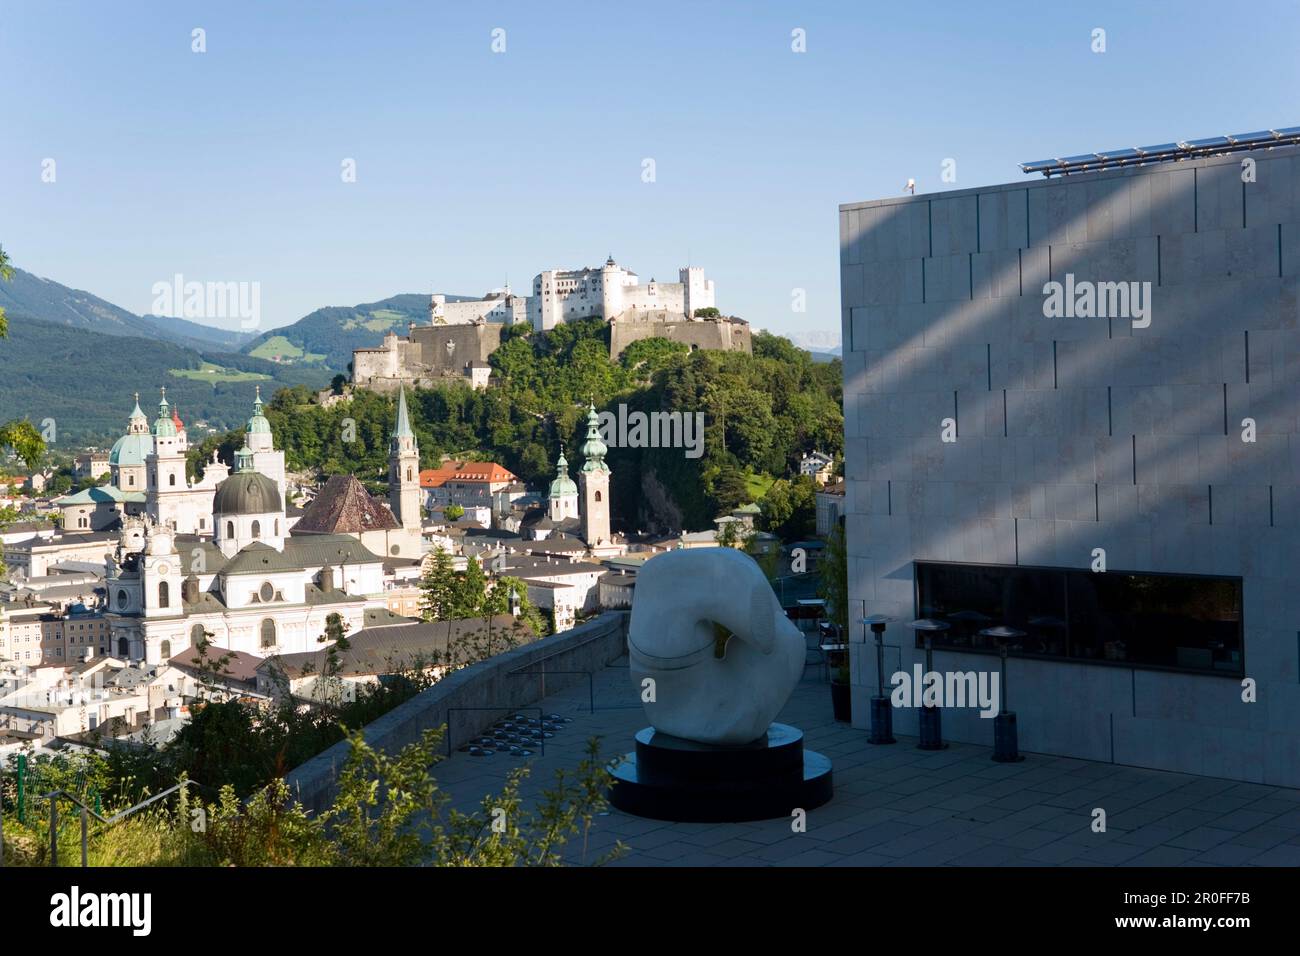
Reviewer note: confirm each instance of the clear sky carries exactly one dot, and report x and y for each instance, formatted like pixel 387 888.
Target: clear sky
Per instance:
pixel 473 165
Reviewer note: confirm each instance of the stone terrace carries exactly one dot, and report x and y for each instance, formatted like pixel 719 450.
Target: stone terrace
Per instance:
pixel 899 806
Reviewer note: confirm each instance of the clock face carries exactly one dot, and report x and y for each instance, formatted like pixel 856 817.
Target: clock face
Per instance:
pixel 163 568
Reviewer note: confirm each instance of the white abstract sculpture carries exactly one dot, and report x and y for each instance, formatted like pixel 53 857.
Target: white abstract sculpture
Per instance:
pixel 672 639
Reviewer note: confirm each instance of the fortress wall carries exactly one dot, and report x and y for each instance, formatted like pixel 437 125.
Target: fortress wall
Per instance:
pixel 720 335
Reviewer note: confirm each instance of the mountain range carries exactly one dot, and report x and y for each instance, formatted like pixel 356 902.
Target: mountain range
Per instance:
pixel 76 360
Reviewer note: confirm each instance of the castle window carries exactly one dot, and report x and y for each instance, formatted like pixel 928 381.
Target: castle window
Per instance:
pixel 268 632
pixel 230 529
pixel 257 529
pixel 164 594
pixel 165 649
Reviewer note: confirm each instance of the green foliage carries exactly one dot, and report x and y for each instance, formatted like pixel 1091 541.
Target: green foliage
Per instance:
pixel 790 508
pixel 471 592
pixel 6 273
pixel 762 413
pixel 438 588
pixel 834 586
pixel 453 512
pixel 389 811
pixel 22 436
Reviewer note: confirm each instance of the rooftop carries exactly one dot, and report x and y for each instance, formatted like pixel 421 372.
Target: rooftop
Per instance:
pixel 900 806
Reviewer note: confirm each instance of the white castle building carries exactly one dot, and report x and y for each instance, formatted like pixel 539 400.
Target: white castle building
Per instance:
pixel 217 558
pixel 561 295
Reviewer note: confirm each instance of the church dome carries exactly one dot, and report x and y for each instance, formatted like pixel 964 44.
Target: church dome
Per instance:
pixel 563 484
pixel 246 493
pixel 258 424
pixel 131 450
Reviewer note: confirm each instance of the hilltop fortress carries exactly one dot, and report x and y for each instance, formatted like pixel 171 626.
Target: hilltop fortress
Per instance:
pixel 460 336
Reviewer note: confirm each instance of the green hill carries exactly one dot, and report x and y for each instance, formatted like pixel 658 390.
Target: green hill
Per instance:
pixel 83 380
pixel 27 296
pixel 325 338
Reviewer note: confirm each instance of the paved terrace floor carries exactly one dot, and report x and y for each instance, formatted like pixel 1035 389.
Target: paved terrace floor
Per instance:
pixel 899 806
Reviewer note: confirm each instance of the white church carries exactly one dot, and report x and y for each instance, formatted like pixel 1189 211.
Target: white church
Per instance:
pixel 216 558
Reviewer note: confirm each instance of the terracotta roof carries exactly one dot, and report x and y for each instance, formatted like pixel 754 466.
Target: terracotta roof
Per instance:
pixel 484 471
pixel 344 506
pixel 241 666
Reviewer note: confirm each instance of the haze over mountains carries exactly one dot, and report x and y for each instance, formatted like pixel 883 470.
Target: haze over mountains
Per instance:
pixel 77 359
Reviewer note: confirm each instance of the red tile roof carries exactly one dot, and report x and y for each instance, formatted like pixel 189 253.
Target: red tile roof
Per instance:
pixel 487 472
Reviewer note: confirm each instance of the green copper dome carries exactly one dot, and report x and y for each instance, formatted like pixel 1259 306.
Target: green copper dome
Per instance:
pixel 258 425
pixel 563 484
pixel 593 449
pixel 131 450
pixel 164 427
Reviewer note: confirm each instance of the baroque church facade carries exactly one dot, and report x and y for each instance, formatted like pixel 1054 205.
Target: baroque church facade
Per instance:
pixel 215 559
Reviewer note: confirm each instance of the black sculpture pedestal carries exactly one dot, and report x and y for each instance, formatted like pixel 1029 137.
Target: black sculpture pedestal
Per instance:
pixel 668 778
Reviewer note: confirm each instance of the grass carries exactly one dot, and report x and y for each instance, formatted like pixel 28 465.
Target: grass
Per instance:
pixel 756 485
pixel 215 374
pixel 279 349
pixel 379 320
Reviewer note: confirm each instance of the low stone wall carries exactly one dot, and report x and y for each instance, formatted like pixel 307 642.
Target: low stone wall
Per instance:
pixel 493 683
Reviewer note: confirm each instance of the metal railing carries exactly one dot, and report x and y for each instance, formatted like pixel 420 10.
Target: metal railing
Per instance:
pixel 54 796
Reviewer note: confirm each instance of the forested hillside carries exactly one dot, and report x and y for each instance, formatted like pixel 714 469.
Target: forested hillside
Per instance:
pixel 762 413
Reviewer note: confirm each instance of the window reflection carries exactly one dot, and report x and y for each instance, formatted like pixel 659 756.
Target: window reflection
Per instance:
pixel 1167 621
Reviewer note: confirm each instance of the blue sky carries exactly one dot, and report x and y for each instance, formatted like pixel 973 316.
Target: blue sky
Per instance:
pixel 474 166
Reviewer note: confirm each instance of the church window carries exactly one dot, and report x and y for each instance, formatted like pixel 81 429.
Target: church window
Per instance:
pixel 277 527
pixel 257 529
pixel 165 649
pixel 203 523
pixel 171 480
pixel 230 529
pixel 268 632
pixel 164 594
pixel 130 480
pixel 267 591
pixel 197 634
pixel 598 496
pixel 122 599
pixel 123 647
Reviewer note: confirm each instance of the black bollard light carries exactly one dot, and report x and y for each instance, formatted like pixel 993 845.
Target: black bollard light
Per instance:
pixel 930 722
pixel 1006 744
pixel 882 714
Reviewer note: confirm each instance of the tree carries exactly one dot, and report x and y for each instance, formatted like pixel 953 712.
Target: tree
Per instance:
pixel 471 591
pixel 22 436
pixel 336 630
pixel 834 586
pixel 6 273
pixel 453 512
pixel 708 312
pixel 438 588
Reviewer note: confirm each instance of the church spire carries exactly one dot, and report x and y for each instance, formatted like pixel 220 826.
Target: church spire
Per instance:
pixel 403 427
pixel 164 427
pixel 594 448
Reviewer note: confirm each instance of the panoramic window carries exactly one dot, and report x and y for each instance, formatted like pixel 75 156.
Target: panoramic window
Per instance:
pixel 1158 621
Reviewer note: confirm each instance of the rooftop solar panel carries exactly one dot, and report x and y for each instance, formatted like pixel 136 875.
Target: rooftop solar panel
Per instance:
pixel 1164 152
pixel 1262 136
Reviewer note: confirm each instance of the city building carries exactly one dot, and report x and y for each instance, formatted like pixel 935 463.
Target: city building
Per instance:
pixel 1070 410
